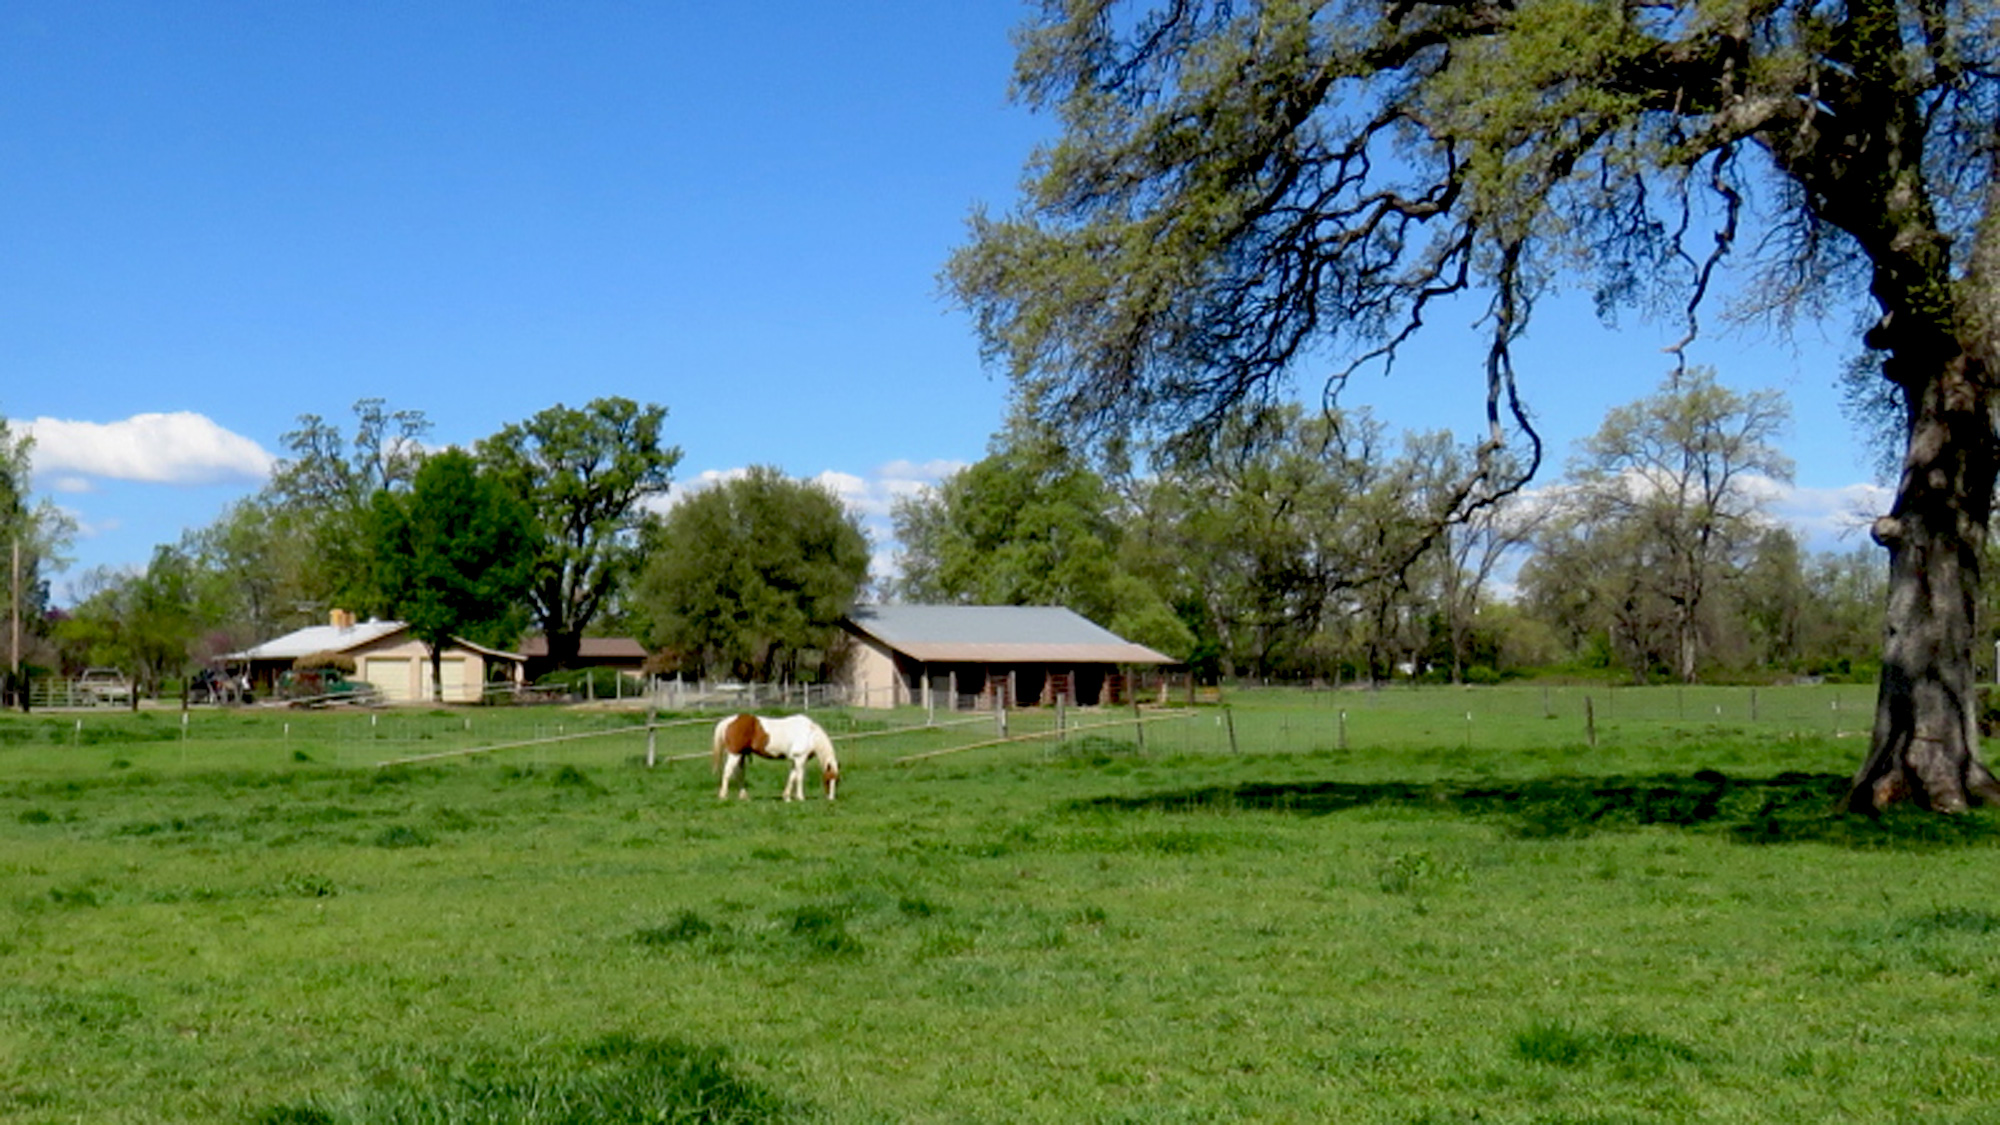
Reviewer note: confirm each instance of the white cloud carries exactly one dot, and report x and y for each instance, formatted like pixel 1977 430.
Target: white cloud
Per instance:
pixel 1831 518
pixel 182 448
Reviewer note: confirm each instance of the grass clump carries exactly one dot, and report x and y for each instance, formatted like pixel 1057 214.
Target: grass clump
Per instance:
pixel 402 836
pixel 618 1080
pixel 1630 1054
pixel 686 927
pixel 822 930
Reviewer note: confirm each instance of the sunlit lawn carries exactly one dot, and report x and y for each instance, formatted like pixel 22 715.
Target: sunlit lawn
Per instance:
pixel 1449 920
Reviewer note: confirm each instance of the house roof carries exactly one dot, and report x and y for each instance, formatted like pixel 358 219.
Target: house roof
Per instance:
pixel 998 634
pixel 321 638
pixel 589 648
pixel 337 638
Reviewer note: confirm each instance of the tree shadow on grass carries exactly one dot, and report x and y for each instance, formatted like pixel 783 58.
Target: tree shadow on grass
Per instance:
pixel 1785 809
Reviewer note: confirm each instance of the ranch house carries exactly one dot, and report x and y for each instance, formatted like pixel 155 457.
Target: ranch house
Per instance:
pixel 973 656
pixel 385 654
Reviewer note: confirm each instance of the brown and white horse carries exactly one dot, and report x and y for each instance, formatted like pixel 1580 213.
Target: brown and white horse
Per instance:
pixel 796 738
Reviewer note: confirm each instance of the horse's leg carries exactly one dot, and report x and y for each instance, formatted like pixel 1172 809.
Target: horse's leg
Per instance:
pixel 795 785
pixel 730 766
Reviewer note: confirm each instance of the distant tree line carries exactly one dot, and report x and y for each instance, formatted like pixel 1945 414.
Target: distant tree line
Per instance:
pixel 1295 544
pixel 1309 545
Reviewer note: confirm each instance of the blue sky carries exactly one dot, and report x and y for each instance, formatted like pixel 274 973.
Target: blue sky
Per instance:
pixel 219 216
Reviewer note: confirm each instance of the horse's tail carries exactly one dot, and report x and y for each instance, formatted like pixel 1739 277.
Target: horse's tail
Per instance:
pixel 720 751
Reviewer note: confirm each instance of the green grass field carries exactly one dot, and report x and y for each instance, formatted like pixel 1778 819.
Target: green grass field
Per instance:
pixel 1268 913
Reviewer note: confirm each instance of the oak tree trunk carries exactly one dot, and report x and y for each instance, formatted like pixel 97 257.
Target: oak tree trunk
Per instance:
pixel 1925 744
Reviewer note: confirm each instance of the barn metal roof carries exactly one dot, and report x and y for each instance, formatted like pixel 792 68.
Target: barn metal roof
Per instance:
pixel 998 634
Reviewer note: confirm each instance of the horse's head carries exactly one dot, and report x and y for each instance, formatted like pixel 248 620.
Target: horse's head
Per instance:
pixel 829 766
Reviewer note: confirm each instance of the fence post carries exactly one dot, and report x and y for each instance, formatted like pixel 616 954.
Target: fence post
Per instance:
pixel 1062 725
pixel 652 736
pixel 1138 725
pixel 1229 717
pixel 1753 705
pixel 1343 729
pixel 1590 721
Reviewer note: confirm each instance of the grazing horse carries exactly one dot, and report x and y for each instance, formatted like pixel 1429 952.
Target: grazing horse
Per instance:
pixel 796 738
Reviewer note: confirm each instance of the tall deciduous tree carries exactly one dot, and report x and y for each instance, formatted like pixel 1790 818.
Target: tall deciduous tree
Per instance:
pixel 319 499
pixel 586 474
pixel 1674 475
pixel 752 576
pixel 1240 184
pixel 453 557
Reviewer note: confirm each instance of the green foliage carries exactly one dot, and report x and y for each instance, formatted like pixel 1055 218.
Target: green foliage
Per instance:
pixel 1030 524
pixel 1662 511
pixel 146 623
pixel 585 474
pixel 34 536
pixel 752 576
pixel 453 556
pixel 307 534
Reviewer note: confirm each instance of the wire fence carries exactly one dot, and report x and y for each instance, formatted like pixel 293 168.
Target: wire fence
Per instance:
pixel 1246 720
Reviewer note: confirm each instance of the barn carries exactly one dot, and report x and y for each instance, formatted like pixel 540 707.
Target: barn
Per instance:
pixel 956 656
pixel 385 654
pixel 622 653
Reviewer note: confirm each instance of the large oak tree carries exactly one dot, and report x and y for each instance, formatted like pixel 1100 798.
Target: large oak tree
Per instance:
pixel 751 576
pixel 587 475
pixel 1239 186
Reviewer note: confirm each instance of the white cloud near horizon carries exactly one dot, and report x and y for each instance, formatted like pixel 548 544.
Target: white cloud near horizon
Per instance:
pixel 1829 519
pixel 181 448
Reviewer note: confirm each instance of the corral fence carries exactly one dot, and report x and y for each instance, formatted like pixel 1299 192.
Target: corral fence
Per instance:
pixel 673 722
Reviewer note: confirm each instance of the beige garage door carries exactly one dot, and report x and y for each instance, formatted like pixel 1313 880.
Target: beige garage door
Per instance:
pixel 390 675
pixel 452 672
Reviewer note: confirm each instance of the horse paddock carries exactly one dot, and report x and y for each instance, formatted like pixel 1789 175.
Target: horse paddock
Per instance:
pixel 1222 917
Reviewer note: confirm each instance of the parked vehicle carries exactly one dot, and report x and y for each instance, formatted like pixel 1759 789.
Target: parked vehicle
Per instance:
pixel 103 685
pixel 323 685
